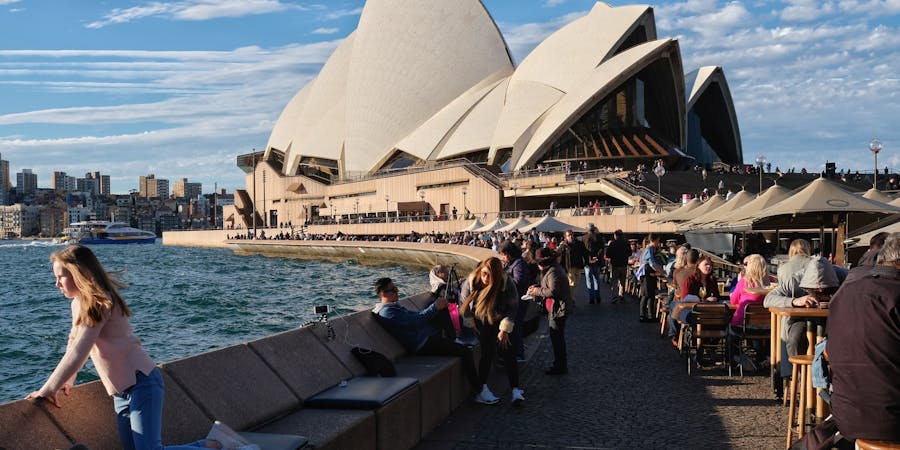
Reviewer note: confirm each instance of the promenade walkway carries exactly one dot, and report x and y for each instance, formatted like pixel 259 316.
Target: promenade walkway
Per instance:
pixel 626 389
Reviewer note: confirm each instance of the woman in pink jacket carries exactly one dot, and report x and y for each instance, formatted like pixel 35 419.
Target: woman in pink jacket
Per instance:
pixel 101 330
pixel 752 276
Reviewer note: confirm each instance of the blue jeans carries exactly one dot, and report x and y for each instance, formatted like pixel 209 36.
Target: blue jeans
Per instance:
pixel 592 280
pixel 139 414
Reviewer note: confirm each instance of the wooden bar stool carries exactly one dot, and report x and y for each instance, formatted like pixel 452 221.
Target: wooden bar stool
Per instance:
pixel 864 444
pixel 802 364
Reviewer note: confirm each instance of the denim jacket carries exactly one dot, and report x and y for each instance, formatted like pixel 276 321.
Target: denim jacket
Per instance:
pixel 411 328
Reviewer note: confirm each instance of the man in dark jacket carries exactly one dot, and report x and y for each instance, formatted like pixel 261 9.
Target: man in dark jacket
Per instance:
pixel 864 350
pixel 618 253
pixel 518 270
pixel 574 258
pixel 415 331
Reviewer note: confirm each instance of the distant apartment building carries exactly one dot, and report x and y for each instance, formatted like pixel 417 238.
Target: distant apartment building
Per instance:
pixel 88 186
pixel 26 183
pixel 4 181
pixel 101 181
pixel 53 221
pixel 79 214
pixel 150 186
pixel 64 183
pixel 185 189
pixel 17 221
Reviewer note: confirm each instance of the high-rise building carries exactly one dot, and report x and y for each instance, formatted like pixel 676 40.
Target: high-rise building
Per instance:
pixel 150 186
pixel 88 185
pixel 4 181
pixel 185 189
pixel 26 182
pixel 64 183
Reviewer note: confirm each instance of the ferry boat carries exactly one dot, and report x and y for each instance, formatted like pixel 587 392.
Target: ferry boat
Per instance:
pixel 104 232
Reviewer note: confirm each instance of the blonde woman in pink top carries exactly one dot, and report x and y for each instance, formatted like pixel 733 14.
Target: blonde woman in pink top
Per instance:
pixel 752 276
pixel 100 329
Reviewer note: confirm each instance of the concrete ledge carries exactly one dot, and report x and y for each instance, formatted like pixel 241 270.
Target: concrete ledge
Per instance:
pixel 25 426
pixel 329 429
pixel 183 420
pixel 380 340
pixel 87 416
pixel 398 422
pixel 346 337
pixel 434 375
pixel 301 361
pixel 220 382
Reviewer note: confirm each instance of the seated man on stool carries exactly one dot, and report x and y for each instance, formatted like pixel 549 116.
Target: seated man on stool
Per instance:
pixel 864 350
pixel 415 330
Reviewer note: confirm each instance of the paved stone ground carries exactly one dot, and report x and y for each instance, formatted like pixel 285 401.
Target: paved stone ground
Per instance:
pixel 626 389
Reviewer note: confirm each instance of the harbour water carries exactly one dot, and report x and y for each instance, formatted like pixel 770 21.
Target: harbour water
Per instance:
pixel 185 301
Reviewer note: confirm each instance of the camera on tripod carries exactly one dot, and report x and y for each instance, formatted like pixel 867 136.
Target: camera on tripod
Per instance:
pixel 320 310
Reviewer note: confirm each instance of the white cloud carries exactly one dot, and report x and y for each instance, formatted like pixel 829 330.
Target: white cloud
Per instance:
pixel 325 30
pixel 194 10
pixel 871 7
pixel 9 2
pixel 337 14
pixel 553 3
pixel 806 10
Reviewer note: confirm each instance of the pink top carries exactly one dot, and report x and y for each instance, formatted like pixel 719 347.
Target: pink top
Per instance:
pixel 113 347
pixel 740 297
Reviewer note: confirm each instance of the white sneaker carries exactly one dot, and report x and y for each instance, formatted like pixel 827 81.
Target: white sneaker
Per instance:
pixel 228 438
pixel 486 397
pixel 517 397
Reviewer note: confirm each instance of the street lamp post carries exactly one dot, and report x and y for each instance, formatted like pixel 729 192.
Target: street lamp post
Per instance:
pixel 331 206
pixel 760 162
pixel 579 180
pixel 659 171
pixel 357 210
pixel 515 187
pixel 253 155
pixel 387 198
pixel 265 212
pixel 465 191
pixel 875 146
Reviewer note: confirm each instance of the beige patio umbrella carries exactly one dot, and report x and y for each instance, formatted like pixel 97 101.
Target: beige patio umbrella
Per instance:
pixel 863 239
pixel 895 202
pixel 473 226
pixel 493 226
pixel 820 203
pixel 734 220
pixel 517 225
pixel 740 199
pixel 551 225
pixel 714 202
pixel 664 217
pixel 878 196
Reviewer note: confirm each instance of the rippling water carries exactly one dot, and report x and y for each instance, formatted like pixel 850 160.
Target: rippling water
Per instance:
pixel 185 301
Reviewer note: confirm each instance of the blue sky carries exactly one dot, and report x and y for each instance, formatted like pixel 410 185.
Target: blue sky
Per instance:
pixel 180 88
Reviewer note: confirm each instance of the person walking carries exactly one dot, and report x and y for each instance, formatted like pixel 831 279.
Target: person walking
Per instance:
pixel 491 301
pixel 554 291
pixel 575 257
pixel 517 269
pixel 618 252
pixel 594 247
pixel 648 272
pixel 101 331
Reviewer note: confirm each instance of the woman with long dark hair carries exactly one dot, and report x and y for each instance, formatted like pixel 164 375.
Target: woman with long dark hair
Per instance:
pixel 490 299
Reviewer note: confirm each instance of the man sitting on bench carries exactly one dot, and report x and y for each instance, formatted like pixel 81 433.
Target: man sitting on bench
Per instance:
pixel 415 330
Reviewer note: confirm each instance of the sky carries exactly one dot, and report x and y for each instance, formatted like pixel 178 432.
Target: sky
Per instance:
pixel 179 89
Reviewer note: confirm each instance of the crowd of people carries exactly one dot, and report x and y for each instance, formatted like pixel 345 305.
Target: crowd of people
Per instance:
pixel 536 271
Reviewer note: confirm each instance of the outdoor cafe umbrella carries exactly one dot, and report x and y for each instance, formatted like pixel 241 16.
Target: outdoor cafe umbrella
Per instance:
pixel 517 225
pixel 878 196
pixel 693 203
pixel 734 221
pixel 495 225
pixel 473 226
pixel 714 202
pixel 895 202
pixel 550 225
pixel 740 199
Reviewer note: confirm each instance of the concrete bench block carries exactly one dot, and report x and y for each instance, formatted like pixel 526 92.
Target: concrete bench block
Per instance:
pixel 300 359
pixel 409 304
pixel 274 441
pixel 346 337
pixel 87 416
pixel 435 384
pixel 183 420
pixel 25 426
pixel 398 423
pixel 234 385
pixel 421 300
pixel 329 429
pixel 380 340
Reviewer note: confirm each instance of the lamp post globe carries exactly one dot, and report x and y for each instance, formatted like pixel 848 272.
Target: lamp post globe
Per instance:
pixel 579 180
pixel 760 162
pixel 515 188
pixel 387 198
pixel 465 191
pixel 659 171
pixel 875 146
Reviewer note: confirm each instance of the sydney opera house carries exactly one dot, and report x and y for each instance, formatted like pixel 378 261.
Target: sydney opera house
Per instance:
pixel 422 110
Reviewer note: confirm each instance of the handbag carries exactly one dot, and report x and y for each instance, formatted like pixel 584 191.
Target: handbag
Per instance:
pixel 376 364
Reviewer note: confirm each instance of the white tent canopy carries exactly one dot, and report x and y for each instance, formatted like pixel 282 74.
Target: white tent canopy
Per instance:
pixel 551 225
pixel 473 226
pixel 517 225
pixel 494 226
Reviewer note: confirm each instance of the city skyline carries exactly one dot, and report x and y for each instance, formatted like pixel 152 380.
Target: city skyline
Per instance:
pixel 179 89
